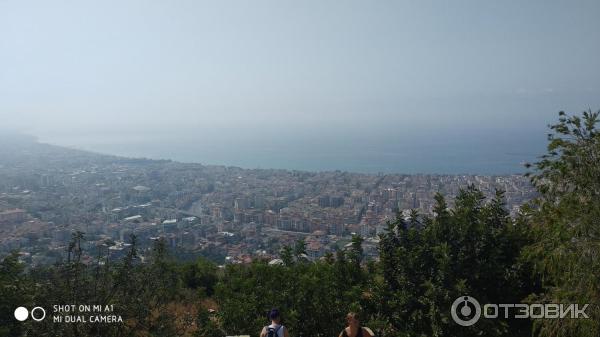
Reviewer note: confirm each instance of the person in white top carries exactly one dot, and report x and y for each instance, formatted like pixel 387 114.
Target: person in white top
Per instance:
pixel 275 329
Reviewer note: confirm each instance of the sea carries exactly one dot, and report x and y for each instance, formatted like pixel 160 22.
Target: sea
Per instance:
pixel 467 151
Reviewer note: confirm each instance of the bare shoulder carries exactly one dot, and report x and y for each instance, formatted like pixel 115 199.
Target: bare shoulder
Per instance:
pixel 263 332
pixel 367 332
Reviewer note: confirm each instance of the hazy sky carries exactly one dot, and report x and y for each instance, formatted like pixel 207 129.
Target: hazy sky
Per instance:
pixel 270 66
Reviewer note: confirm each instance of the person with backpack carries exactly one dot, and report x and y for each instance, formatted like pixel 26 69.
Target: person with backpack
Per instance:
pixel 354 329
pixel 275 329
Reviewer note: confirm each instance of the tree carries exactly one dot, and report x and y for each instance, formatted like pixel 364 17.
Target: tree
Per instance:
pixel 565 222
pixel 200 275
pixel 300 250
pixel 287 255
pixel 15 291
pixel 467 250
pixel 355 254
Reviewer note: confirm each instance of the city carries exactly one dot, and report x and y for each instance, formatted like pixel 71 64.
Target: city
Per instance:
pixel 228 214
pixel 299 168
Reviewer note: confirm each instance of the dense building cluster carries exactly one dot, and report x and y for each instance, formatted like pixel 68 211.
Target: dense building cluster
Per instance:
pixel 226 213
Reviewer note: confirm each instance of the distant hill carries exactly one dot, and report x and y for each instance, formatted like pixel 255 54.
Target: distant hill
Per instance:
pixel 24 151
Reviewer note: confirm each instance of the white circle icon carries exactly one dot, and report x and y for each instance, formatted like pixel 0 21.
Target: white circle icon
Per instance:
pixel 467 305
pixel 40 316
pixel 21 314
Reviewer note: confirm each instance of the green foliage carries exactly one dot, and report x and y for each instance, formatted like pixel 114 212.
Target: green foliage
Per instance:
pixel 14 291
pixel 565 221
pixel 356 252
pixel 157 298
pixel 313 297
pixel 287 255
pixel 470 250
pixel 300 248
pixel 200 275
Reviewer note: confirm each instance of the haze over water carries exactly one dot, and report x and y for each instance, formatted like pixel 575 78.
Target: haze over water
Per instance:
pixel 387 86
pixel 452 153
